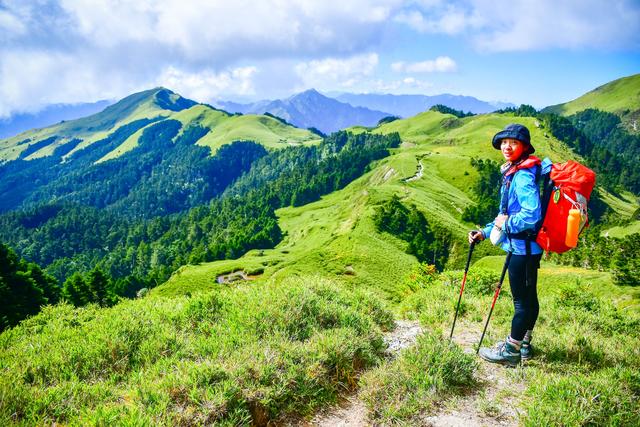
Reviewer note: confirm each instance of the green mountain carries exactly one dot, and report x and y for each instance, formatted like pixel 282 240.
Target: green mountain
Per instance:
pixel 121 157
pixel 154 104
pixel 621 97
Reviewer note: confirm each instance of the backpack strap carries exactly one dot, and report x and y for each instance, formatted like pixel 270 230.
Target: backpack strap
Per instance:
pixel 529 235
pixel 504 197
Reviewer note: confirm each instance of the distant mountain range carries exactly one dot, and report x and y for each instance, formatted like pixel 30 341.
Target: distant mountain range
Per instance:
pixel 311 109
pixel 50 115
pixel 308 109
pixel 410 105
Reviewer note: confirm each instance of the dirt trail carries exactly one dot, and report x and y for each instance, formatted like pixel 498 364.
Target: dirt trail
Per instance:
pixel 352 412
pixel 488 403
pixel 485 405
pixel 418 174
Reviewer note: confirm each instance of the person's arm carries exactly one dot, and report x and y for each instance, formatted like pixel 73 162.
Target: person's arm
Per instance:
pixel 487 229
pixel 528 197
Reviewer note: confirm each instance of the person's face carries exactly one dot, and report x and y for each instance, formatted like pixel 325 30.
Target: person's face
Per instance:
pixel 512 149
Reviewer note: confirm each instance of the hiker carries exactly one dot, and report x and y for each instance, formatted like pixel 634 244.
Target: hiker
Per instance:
pixel 513 230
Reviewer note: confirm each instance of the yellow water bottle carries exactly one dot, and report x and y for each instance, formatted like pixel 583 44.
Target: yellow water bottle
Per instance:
pixel 573 227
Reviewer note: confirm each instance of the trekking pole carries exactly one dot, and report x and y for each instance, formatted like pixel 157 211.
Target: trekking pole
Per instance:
pixel 464 280
pixel 495 297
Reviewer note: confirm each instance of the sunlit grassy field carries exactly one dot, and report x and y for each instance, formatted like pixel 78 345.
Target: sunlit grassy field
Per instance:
pixel 308 325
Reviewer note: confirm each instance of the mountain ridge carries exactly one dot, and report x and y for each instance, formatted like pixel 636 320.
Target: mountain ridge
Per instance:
pixel 151 104
pixel 410 105
pixel 309 109
pixel 620 97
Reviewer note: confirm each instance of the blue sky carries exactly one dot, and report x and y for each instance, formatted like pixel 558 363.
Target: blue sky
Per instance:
pixel 538 52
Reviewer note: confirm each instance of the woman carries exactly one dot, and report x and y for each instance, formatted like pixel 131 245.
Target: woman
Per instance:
pixel 516 223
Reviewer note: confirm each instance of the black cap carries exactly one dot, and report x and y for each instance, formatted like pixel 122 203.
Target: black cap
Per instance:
pixel 515 131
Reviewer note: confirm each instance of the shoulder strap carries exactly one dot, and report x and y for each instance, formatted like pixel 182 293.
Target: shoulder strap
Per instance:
pixel 545 196
pixel 530 236
pixel 504 197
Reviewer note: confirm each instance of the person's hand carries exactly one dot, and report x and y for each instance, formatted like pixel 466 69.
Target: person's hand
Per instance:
pixel 475 236
pixel 500 220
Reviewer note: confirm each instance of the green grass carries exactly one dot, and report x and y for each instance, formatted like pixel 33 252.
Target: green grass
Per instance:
pixel 288 342
pixel 615 97
pixel 402 391
pixel 621 231
pixel 228 356
pixel 585 371
pixel 624 204
pixel 225 128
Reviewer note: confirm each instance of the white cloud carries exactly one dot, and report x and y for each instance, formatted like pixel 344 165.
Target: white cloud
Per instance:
pixel 522 25
pixel 445 19
pixel 30 79
pixel 548 24
pixel 199 29
pixel 330 72
pixel 10 26
pixel 126 45
pixel 443 64
pixel 78 50
pixel 207 86
pixel 406 85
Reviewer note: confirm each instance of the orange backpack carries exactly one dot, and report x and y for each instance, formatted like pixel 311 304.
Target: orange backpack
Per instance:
pixel 566 191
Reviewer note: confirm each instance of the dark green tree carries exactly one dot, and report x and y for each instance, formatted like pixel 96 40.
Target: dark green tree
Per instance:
pixel 100 287
pixel 76 291
pixel 19 291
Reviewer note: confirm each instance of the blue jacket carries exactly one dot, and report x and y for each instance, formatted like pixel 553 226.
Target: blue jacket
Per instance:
pixel 523 209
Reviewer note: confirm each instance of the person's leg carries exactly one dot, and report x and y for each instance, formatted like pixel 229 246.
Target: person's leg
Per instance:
pixel 532 293
pixel 526 350
pixel 522 303
pixel 508 351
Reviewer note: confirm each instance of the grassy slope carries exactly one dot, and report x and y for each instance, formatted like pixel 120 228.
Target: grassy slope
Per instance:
pixel 226 357
pixel 225 128
pixel 615 97
pixel 89 129
pixel 336 235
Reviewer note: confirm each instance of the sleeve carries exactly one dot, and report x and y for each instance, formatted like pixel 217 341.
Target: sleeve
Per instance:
pixel 487 229
pixel 528 196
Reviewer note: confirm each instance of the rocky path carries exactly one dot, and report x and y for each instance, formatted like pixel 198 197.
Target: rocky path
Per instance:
pixel 485 405
pixel 489 404
pixel 352 412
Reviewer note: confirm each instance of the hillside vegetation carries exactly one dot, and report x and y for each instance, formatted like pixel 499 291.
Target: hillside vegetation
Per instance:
pixel 621 97
pixel 281 289
pixel 155 104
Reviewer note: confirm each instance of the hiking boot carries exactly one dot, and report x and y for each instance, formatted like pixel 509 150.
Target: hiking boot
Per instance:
pixel 526 351
pixel 505 354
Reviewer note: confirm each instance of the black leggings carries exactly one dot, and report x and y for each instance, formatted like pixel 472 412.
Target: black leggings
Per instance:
pixel 523 278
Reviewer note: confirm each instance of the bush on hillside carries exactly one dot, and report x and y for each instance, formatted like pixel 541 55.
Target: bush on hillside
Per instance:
pixel 448 110
pixel 428 243
pixel 253 354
